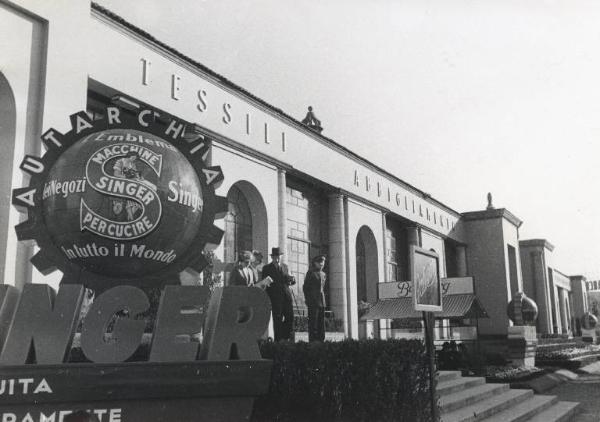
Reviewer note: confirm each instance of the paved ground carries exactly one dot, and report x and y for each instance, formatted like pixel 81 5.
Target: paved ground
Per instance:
pixel 586 390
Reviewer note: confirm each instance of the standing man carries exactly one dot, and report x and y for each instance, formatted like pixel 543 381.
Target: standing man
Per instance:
pixel 280 295
pixel 314 297
pixel 243 274
pixel 257 266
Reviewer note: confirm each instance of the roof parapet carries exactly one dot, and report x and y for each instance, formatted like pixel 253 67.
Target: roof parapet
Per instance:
pixel 541 243
pixel 491 214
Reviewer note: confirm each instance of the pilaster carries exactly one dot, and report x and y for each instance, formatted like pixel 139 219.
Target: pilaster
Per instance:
pixel 337 260
pixel 282 212
pixel 413 237
pixel 461 261
pixel 542 290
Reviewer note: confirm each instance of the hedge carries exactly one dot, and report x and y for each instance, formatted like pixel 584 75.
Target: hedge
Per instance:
pixel 567 353
pixel 334 325
pixel 367 380
pixel 572 364
pixel 554 337
pixel 513 374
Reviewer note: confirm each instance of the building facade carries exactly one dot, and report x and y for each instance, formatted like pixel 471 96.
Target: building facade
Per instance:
pixel 279 183
pixel 562 300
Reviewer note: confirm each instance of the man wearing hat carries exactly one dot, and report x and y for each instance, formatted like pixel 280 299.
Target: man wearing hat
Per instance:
pixel 280 295
pixel 314 297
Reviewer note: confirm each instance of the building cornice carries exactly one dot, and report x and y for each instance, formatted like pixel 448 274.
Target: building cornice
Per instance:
pixel 540 243
pixel 561 273
pixel 492 214
pixel 108 16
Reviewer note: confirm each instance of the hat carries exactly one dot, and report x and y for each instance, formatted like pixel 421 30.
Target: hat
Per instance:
pixel 319 258
pixel 244 256
pixel 276 251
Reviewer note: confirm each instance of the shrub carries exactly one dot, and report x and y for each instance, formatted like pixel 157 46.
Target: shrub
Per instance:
pixel 210 276
pixel 466 357
pixel 551 347
pixel 300 323
pixel 568 353
pixel 554 337
pixel 512 373
pixel 569 358
pixel 334 325
pixel 497 359
pixel 368 380
pixel 451 357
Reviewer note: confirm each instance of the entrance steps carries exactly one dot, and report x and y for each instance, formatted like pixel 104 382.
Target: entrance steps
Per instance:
pixel 470 399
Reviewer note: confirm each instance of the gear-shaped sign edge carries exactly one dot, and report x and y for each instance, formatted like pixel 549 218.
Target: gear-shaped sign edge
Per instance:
pixel 29 199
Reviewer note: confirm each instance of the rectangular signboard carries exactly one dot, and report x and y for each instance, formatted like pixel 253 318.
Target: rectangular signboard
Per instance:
pixel 450 286
pixel 133 391
pixel 74 382
pixel 425 275
pixel 205 409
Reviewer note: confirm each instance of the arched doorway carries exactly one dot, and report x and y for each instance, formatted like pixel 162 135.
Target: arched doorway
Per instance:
pixel 367 277
pixel 8 118
pixel 245 223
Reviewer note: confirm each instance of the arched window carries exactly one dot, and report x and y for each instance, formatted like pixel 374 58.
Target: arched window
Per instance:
pixel 361 269
pixel 238 225
pixel 367 277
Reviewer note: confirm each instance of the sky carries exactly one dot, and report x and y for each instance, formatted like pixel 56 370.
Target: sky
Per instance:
pixel 456 97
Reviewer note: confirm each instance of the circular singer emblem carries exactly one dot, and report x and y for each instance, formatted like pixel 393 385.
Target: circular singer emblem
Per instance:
pixel 121 198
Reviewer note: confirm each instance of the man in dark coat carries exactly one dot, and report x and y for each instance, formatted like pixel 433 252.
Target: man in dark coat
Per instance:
pixel 314 297
pixel 280 295
pixel 243 274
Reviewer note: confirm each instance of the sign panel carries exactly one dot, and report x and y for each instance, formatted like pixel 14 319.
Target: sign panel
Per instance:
pixel 450 286
pixel 424 268
pixel 204 409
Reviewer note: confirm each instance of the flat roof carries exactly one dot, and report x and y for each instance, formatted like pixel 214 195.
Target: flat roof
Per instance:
pixel 542 243
pixel 492 213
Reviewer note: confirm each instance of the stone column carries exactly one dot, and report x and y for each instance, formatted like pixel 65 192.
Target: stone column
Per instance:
pixel 542 294
pixel 556 308
pixel 337 261
pixel 282 213
pixel 571 312
pixel 461 261
pixel 564 312
pixel 412 235
pixel 384 324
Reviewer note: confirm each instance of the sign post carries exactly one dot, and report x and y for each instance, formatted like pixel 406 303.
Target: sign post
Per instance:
pixel 427 297
pixel 429 324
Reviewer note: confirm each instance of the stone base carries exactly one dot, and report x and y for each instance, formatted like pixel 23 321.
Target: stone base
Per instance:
pixel 522 344
pixel 527 332
pixel 589 336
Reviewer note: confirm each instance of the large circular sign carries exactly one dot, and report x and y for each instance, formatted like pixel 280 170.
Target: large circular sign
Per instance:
pixel 122 203
pixel 121 198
